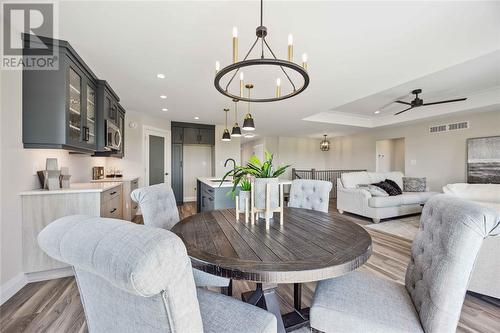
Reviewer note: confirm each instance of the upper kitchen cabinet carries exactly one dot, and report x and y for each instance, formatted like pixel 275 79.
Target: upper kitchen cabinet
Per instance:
pixel 177 134
pixel 120 122
pixel 111 129
pixel 193 134
pixel 59 106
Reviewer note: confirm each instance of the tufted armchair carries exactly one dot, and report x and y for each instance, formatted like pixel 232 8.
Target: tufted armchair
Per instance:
pixel 159 210
pixel 134 278
pixel 442 258
pixel 310 194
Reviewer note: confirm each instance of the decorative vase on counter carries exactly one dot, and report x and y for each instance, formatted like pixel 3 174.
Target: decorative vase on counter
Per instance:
pixel 260 185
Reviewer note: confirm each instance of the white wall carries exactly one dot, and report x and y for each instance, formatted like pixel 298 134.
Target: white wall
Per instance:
pixel 439 157
pixel 225 150
pixel 197 162
pixel 390 155
pixel 18 166
pixel 300 153
pixel 132 165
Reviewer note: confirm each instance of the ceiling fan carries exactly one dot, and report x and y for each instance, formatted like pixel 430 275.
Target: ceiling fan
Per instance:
pixel 418 102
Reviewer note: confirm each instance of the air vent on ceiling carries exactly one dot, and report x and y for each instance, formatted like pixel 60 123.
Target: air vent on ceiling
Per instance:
pixel 438 129
pixel 449 127
pixel 458 126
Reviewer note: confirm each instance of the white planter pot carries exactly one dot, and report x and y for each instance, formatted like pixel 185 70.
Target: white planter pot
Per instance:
pixel 260 185
pixel 242 197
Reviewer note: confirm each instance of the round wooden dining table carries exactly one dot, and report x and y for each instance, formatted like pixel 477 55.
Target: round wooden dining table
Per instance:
pixel 308 246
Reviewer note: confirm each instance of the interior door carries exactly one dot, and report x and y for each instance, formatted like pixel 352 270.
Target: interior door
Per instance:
pixel 157 156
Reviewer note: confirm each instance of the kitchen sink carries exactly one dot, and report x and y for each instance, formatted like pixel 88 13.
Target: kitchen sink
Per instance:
pixel 220 180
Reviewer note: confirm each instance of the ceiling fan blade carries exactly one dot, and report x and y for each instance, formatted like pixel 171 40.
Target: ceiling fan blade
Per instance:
pixel 448 101
pixel 401 102
pixel 404 110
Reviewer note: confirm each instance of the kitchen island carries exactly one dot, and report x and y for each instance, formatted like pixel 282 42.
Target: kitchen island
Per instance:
pixel 212 195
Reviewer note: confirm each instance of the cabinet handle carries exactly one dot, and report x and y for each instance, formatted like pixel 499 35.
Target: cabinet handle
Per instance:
pixel 211 199
pixel 135 207
pixel 114 192
pixel 113 210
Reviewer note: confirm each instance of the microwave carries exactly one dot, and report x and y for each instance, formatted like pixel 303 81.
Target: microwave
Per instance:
pixel 113 136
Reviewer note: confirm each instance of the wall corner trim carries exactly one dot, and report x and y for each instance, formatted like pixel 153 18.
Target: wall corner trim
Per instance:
pixel 11 287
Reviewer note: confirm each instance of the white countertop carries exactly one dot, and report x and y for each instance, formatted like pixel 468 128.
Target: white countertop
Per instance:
pixel 111 179
pixel 77 188
pixel 209 181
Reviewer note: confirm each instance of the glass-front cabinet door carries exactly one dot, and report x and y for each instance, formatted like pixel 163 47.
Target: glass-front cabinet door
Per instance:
pixel 75 106
pixel 91 115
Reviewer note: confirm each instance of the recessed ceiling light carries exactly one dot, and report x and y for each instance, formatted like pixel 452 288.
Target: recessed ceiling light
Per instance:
pixel 163 96
pixel 160 76
pixel 164 109
pixel 196 118
pixel 377 112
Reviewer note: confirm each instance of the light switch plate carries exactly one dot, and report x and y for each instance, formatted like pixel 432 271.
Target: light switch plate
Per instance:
pixel 413 162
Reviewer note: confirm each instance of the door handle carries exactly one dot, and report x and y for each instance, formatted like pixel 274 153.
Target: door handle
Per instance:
pixel 166 173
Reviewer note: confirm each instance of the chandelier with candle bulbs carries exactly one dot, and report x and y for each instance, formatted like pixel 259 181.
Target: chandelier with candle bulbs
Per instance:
pixel 232 70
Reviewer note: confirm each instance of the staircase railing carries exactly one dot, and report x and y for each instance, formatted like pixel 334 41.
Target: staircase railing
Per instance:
pixel 328 175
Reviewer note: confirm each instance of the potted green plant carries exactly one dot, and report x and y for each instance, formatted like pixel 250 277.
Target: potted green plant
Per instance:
pixel 263 173
pixel 244 194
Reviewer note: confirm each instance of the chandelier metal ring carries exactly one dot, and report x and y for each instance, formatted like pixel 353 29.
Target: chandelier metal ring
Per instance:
pixel 256 62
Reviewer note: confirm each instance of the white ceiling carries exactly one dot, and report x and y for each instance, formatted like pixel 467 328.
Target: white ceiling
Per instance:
pixel 356 49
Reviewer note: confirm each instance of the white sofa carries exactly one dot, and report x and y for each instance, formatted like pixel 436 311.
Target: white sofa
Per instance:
pixel 486 276
pixel 359 201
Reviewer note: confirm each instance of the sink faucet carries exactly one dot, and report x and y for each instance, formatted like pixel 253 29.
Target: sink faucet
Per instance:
pixel 232 160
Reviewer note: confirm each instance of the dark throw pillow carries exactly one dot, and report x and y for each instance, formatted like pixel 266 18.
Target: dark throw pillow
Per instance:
pixel 387 187
pixel 395 185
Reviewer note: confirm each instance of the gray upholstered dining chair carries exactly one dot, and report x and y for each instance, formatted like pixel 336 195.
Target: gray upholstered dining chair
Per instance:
pixel 159 210
pixel 134 278
pixel 310 194
pixel 442 258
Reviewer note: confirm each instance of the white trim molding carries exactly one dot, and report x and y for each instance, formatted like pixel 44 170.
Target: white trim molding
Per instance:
pixel 11 287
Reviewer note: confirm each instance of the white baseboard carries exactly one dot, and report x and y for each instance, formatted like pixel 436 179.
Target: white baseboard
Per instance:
pixel 11 287
pixel 189 199
pixel 49 275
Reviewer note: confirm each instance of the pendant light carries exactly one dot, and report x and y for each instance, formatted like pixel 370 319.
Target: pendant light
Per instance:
pixel 325 144
pixel 236 132
pixel 226 136
pixel 248 124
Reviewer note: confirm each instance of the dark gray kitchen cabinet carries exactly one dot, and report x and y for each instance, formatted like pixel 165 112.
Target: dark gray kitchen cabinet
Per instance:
pixel 191 136
pixel 120 122
pixel 59 104
pixel 213 197
pixel 187 134
pixel 177 173
pixel 207 136
pixel 177 133
pixel 199 136
pixel 107 110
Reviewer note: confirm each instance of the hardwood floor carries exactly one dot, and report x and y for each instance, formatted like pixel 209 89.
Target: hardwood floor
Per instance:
pixel 54 306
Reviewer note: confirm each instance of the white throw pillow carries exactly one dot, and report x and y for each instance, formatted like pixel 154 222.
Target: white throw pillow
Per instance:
pixel 375 191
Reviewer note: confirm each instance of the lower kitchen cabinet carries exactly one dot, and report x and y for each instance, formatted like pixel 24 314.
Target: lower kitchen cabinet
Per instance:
pixel 212 198
pixel 42 207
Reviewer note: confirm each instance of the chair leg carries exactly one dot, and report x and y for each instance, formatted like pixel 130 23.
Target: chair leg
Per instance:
pixel 228 291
